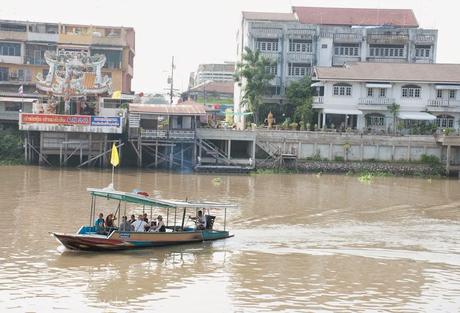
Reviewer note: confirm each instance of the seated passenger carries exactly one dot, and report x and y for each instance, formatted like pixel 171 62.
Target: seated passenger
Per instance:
pixel 146 219
pixel 109 222
pixel 125 225
pixel 133 219
pixel 100 224
pixel 160 226
pixel 200 220
pixel 140 224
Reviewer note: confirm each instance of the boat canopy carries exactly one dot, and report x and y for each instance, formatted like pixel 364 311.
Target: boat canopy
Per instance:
pixel 131 197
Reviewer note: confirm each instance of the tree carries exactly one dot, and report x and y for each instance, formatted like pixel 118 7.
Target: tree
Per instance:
pixel 394 110
pixel 257 79
pixel 300 101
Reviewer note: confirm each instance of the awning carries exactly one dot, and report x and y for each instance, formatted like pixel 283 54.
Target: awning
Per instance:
pixel 376 85
pixel 420 116
pixel 317 84
pixel 450 87
pixel 20 100
pixel 342 111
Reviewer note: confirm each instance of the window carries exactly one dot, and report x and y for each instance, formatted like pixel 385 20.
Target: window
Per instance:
pixel 299 69
pixel 439 94
pixel 267 44
pixel 445 121
pixel 296 45
pixel 12 106
pixel 411 91
pixel 131 58
pixel 347 50
pixel 452 94
pixel 324 46
pixel 383 93
pixel 271 69
pixel 4 74
pixel 386 51
pixel 35 54
pixel 10 49
pixel 370 92
pixel 375 120
pixel 422 51
pixel 45 72
pixel 341 90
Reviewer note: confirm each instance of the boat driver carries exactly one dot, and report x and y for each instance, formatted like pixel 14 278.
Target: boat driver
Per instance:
pixel 200 220
pixel 100 224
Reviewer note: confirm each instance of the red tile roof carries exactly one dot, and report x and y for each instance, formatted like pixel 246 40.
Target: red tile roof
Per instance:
pixel 355 16
pixel 189 108
pixel 269 16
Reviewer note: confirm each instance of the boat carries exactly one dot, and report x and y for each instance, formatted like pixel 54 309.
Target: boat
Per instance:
pixel 177 230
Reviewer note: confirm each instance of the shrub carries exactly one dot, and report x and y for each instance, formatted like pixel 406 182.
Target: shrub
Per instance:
pixel 429 159
pixel 338 158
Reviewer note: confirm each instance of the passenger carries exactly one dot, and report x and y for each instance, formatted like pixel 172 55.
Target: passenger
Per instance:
pixel 200 220
pixel 133 219
pixel 125 225
pixel 146 219
pixel 109 221
pixel 160 226
pixel 100 225
pixel 140 224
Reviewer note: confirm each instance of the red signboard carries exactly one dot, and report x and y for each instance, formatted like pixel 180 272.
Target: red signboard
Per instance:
pixel 55 119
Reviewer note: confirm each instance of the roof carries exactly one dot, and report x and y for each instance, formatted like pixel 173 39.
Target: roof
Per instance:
pixel 355 16
pixel 269 16
pixel 217 87
pixel 131 197
pixel 387 72
pixel 217 67
pixel 189 108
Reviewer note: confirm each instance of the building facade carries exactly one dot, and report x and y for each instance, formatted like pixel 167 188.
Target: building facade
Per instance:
pixel 22 55
pixel 216 72
pixel 358 96
pixel 308 37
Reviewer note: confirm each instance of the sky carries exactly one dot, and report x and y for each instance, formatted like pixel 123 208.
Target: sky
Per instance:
pixel 204 31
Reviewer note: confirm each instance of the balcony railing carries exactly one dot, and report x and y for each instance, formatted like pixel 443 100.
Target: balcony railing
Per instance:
pixel 341 60
pixel 376 101
pixel 443 103
pixel 348 37
pixel 168 134
pixel 387 38
pixel 387 60
pixel 318 100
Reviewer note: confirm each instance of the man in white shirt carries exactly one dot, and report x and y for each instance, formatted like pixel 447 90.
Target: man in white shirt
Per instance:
pixel 200 220
pixel 139 224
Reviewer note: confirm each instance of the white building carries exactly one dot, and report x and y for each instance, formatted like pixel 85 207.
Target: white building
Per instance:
pixel 216 72
pixel 310 36
pixel 357 95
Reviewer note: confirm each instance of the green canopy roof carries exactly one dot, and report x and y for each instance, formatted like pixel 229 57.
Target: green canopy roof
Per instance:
pixel 131 197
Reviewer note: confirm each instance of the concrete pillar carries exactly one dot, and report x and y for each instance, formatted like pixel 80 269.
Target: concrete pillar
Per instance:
pixel 26 144
pixel 448 157
pixel 324 121
pixel 362 152
pixel 409 152
pixel 377 152
pixel 319 120
pixel 393 152
pixel 171 156
pixel 40 155
pixel 156 155
pixel 331 153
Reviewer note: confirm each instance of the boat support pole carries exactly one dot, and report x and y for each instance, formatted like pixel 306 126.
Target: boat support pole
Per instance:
pixel 91 212
pixel 175 215
pixel 225 218
pixel 167 217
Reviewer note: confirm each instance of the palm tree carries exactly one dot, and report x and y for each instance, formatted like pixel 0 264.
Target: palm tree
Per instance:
pixel 394 110
pixel 253 70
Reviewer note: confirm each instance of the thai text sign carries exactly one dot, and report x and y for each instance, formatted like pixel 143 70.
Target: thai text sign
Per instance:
pixel 70 120
pixel 105 121
pixel 55 119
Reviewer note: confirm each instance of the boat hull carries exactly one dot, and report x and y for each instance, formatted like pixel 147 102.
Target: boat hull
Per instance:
pixel 135 240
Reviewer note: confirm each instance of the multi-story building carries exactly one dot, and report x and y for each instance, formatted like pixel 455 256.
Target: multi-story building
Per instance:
pixel 358 96
pixel 310 36
pixel 216 72
pixel 22 49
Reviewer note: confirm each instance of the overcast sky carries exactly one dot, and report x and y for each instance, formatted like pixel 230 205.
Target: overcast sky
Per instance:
pixel 204 31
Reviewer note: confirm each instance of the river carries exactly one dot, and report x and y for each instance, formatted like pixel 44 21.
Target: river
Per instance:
pixel 303 243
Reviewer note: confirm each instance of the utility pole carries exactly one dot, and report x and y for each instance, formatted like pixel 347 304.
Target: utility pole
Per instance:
pixel 172 81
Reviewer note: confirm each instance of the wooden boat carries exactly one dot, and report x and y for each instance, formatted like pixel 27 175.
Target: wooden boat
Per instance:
pixel 176 233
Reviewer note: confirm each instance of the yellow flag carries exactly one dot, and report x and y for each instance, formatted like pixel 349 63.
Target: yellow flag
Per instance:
pixel 114 160
pixel 116 94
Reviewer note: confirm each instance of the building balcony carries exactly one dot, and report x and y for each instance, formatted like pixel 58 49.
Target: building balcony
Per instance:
pixel 385 39
pixel 74 38
pixel 423 60
pixel 443 103
pixel 341 60
pixel 387 60
pixel 108 41
pixel 12 35
pixel 348 37
pixel 271 55
pixel 42 37
pixel 318 100
pixel 376 101
pixel 306 57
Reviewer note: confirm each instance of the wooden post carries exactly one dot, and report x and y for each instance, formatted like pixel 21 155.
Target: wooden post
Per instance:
pixel 139 148
pixel 104 157
pixel 40 154
pixel 120 150
pixel 448 159
pixel 181 155
pixel 393 152
pixel 90 148
pixel 26 142
pixel 229 148
pixel 156 154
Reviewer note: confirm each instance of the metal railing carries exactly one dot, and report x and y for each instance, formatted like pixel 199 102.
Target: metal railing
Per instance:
pixel 168 134
pixel 443 103
pixel 318 100
pixel 376 101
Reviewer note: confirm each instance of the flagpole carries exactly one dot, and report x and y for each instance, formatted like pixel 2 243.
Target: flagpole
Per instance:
pixel 113 171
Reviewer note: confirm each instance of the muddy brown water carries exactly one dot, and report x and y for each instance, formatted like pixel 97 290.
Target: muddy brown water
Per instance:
pixel 303 243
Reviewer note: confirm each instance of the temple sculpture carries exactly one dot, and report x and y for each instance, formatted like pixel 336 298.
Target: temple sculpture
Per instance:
pixel 73 76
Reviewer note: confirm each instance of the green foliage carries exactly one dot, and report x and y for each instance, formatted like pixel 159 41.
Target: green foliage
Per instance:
pixel 339 158
pixel 11 147
pixel 430 159
pixel 257 79
pixel 300 101
pixel 394 110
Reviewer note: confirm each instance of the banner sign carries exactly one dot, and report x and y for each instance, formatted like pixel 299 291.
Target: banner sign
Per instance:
pixel 105 121
pixel 70 120
pixel 55 119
